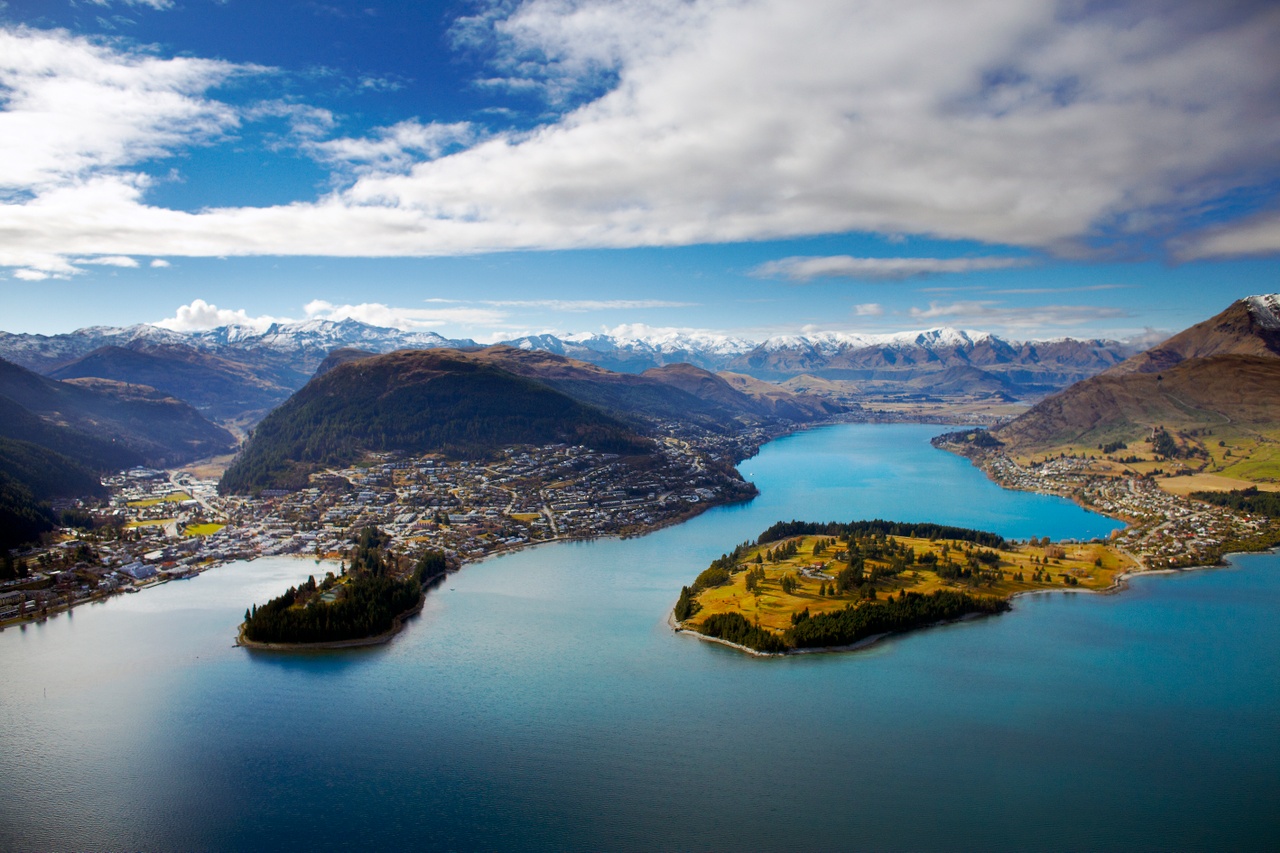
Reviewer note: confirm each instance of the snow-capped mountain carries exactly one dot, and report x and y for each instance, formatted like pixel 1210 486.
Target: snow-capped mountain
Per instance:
pixel 307 343
pixel 324 335
pixel 235 373
pixel 1265 309
pixel 309 339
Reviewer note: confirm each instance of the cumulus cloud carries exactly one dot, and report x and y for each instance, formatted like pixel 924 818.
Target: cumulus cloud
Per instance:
pixel 868 309
pixel 199 315
pixel 877 269
pixel 123 261
pixel 392 148
pixel 159 263
pixel 405 319
pixel 1034 124
pixel 73 107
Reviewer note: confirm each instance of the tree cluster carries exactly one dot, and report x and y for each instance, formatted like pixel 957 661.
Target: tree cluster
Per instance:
pixel 374 594
pixel 898 613
pixel 863 529
pixel 1249 500
pixel 735 628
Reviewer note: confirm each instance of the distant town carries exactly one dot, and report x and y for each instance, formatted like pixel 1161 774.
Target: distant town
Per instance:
pixel 1165 531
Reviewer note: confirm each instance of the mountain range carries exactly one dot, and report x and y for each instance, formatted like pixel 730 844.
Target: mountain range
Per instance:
pixel 236 374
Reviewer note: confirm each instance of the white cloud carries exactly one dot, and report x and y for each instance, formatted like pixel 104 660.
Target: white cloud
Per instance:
pixel 31 275
pixel 123 261
pixel 868 309
pixel 159 263
pixel 582 305
pixel 997 316
pixel 73 107
pixel 699 121
pixel 877 269
pixel 199 315
pixel 1087 288
pixel 159 5
pixel 405 319
pixel 1258 235
pixel 392 148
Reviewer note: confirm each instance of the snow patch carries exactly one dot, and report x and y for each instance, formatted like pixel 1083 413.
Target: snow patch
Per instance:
pixel 1266 310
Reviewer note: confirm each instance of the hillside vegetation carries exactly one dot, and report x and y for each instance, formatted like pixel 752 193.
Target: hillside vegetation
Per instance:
pixel 422 401
pixel 159 429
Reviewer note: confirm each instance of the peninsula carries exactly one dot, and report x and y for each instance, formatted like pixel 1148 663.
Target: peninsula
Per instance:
pixel 366 605
pixel 804 586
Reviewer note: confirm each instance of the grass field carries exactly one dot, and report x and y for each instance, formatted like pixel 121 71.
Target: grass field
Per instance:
pixel 773 607
pixel 203 529
pixel 1216 459
pixel 154 522
pixel 175 498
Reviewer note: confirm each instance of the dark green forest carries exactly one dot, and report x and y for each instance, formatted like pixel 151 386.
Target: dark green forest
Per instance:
pixel 897 613
pixel 367 604
pixel 31 475
pixel 1245 500
pixel 880 527
pixel 845 627
pixel 22 517
pixel 735 628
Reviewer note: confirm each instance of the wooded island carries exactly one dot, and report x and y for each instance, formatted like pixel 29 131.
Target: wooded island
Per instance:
pixel 366 604
pixel 804 585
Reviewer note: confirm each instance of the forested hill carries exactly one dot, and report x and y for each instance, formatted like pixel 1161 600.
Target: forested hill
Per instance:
pixel 137 420
pixel 416 401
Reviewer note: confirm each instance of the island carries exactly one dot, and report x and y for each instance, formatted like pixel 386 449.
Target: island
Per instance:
pixel 804 586
pixel 366 604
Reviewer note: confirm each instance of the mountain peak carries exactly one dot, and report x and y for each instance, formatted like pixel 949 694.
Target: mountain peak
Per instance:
pixel 1265 309
pixel 1249 326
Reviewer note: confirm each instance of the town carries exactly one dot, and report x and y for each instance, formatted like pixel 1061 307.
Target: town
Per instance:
pixel 1165 531
pixel 160 526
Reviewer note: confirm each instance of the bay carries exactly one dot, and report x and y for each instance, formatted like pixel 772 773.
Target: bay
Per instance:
pixel 541 702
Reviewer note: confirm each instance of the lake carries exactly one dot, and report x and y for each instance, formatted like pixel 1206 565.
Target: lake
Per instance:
pixel 541 702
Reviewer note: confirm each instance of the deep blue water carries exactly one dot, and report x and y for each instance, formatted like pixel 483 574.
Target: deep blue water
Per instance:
pixel 540 702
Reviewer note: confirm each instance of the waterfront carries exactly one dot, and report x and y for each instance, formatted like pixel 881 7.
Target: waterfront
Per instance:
pixel 541 702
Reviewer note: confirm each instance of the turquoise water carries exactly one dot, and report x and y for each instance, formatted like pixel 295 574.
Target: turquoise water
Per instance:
pixel 540 702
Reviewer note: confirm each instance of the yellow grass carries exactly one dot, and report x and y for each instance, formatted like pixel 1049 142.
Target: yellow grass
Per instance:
pixel 526 516
pixel 176 498
pixel 155 522
pixel 209 469
pixel 774 608
pixel 203 529
pixel 1183 486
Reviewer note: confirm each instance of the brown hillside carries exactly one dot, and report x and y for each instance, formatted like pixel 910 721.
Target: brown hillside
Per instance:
pixel 1221 390
pixel 1245 328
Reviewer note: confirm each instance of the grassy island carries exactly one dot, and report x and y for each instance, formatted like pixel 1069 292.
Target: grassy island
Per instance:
pixel 367 602
pixel 803 585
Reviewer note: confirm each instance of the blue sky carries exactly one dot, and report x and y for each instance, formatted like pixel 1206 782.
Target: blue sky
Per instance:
pixel 739 167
